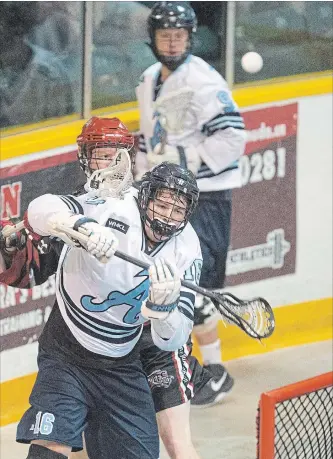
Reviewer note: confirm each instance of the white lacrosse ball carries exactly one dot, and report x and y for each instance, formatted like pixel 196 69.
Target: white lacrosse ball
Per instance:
pixel 252 62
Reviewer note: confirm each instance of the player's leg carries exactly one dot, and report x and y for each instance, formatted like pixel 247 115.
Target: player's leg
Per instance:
pixel 48 450
pixel 174 429
pixel 173 379
pixel 80 454
pixel 214 238
pixel 123 422
pixel 57 417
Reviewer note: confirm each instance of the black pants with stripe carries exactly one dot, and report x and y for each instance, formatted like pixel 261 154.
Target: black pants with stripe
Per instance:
pixel 173 377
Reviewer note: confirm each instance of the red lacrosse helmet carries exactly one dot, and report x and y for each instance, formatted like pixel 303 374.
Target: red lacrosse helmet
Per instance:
pixel 103 133
pixel 106 154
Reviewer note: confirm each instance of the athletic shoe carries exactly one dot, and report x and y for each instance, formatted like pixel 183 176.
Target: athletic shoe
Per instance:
pixel 216 388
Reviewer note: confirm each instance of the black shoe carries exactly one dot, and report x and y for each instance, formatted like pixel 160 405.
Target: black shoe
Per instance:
pixel 216 388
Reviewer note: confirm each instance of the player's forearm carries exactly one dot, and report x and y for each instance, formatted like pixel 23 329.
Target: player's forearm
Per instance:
pixel 173 332
pixel 42 209
pixel 222 148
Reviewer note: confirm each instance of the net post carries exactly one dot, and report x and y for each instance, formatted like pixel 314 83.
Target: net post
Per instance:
pixel 266 426
pixel 267 430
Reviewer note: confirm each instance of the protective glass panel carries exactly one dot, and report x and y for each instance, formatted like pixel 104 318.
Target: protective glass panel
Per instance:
pixel 121 53
pixel 41 62
pixel 292 37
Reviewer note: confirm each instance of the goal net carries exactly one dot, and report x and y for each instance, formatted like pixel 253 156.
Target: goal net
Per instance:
pixel 296 421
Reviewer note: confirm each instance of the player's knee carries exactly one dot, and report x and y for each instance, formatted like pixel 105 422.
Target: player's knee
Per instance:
pixel 205 315
pixel 41 452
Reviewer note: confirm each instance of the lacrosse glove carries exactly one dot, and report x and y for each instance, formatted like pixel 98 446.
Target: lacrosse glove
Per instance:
pixel 101 242
pixel 12 243
pixel 164 290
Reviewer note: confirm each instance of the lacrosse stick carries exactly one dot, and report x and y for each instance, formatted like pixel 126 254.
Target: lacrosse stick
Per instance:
pixel 255 317
pixel 8 230
pixel 81 237
pixel 171 110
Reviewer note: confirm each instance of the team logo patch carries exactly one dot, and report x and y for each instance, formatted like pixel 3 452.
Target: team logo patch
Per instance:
pixel 227 102
pixel 95 201
pixel 117 225
pixel 160 378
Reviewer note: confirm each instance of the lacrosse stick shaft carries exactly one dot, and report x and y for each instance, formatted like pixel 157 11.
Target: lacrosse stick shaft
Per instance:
pixel 8 230
pixel 144 265
pixel 83 238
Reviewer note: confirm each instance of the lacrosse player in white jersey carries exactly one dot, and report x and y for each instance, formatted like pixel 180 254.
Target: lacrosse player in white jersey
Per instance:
pixel 174 377
pixel 208 140
pixel 89 369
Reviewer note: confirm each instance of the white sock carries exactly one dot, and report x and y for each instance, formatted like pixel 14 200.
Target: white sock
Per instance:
pixel 211 353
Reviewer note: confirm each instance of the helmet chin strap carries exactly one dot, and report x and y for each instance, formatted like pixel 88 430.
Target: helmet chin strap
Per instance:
pixel 171 62
pixel 161 228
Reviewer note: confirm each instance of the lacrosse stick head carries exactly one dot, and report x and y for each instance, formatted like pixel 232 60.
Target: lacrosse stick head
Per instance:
pixel 255 317
pixel 171 15
pixel 168 186
pixel 171 109
pixel 106 154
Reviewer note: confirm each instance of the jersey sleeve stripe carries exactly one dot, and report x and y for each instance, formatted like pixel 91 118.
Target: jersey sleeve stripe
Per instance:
pixel 223 121
pixel 72 204
pixel 75 204
pixel 186 304
pixel 188 297
pixel 185 312
pixel 207 173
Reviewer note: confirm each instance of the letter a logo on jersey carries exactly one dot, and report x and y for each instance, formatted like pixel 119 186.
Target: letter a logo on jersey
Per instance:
pixel 132 298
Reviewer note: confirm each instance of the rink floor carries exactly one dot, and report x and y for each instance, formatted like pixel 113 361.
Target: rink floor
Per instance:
pixel 227 431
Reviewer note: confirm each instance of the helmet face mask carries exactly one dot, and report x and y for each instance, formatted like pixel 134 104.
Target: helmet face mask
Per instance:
pixel 96 156
pixel 106 154
pixel 167 198
pixel 171 15
pixel 166 213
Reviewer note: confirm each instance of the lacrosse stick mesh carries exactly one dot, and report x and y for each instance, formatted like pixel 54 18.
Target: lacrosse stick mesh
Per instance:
pixel 295 421
pixel 171 109
pixel 253 312
pixel 114 180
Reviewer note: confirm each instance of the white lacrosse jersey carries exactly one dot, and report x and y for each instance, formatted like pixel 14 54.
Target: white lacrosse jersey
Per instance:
pixel 211 121
pixel 101 303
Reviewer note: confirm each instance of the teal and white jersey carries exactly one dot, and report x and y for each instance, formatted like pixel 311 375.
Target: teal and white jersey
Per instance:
pixel 101 303
pixel 212 122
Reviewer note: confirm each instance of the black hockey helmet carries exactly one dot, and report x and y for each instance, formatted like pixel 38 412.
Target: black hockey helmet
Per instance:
pixel 167 176
pixel 171 15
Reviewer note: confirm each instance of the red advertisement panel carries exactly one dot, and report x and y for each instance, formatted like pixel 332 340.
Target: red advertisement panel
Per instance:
pixel 263 236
